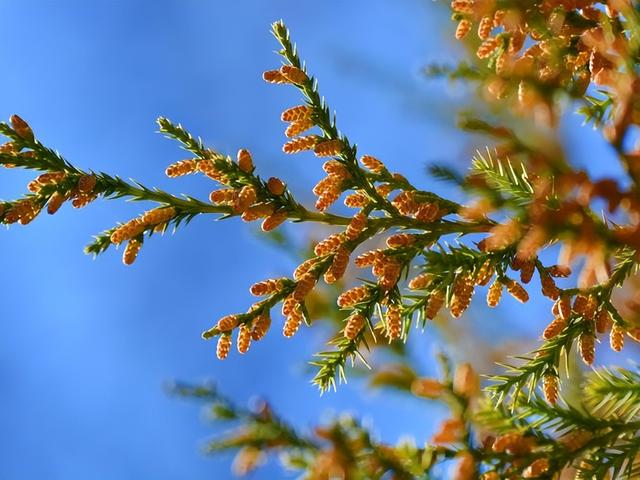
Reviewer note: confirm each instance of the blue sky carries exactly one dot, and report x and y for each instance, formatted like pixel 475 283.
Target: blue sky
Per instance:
pixel 88 344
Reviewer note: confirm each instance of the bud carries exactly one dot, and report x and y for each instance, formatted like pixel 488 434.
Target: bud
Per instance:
pixel 513 443
pixel 517 291
pixel 590 308
pixel 587 347
pixel 294 114
pixel 427 387
pixel 559 271
pixel 224 345
pixel 554 328
pixel 8 148
pixel 326 200
pixel 275 186
pixel 260 326
pixel 384 189
pixel 357 224
pixel 550 388
pixel 328 245
pixel 526 272
pixel 487 48
pixel 34 186
pixel 49 178
pixel 405 203
pixel 329 148
pixel 336 169
pixel 245 163
pixel 353 296
pixel 400 240
pixel 127 231
pixel 208 167
pixel 257 211
pixel 244 338
pixel 22 128
pixel 225 196
pixel 466 381
pixel 158 215
pixel 494 294
pixel 288 305
pixel 463 28
pixel 81 200
pixel 450 431
pixel 227 323
pixel 516 42
pixel 428 212
pixel 131 251
pixel 462 6
pixel 579 304
pixel 246 461
pixel 616 338
pixel 266 287
pixel 293 322
pixel 462 293
pixel 304 267
pixel 367 259
pixel 434 304
pixel 246 197
pixel 274 76
pixel 356 200
pixel 372 164
pixel 549 288
pixel 388 272
pixel 564 307
pixel 294 74
pixel 304 286
pixel 394 322
pixel 603 321
pixel 338 266
pixel 485 27
pixel 55 202
pixel 465 468
pixel 354 326
pixel 328 185
pixel 485 274
pixel 298 127
pixel 498 17
pixel 274 220
pixel 420 282
pixel 183 167
pixel 300 144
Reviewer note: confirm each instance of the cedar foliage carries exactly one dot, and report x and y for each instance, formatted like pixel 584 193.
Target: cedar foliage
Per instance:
pixel 533 61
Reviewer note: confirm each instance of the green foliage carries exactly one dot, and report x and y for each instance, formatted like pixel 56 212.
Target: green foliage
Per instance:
pixel 461 71
pixel 614 393
pixel 527 375
pixel 597 110
pixel 501 175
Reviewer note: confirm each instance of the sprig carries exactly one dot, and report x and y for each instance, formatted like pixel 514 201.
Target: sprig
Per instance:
pixel 614 393
pixel 545 360
pixel 505 177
